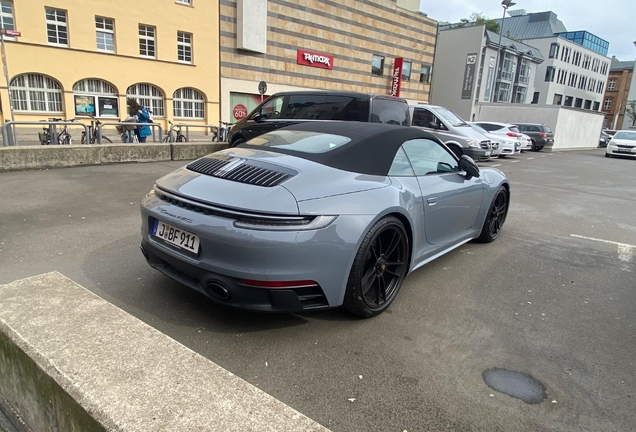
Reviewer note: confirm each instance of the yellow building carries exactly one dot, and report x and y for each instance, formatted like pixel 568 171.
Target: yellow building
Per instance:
pixel 75 59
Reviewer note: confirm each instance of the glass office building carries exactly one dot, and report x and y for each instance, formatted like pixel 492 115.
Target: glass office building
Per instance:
pixel 588 40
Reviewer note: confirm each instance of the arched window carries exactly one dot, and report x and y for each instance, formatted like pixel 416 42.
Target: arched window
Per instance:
pixel 148 96
pixel 188 103
pixel 36 93
pixel 95 97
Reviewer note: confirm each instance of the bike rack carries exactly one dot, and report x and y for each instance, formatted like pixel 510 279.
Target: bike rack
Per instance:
pixel 187 126
pixel 152 125
pixel 8 129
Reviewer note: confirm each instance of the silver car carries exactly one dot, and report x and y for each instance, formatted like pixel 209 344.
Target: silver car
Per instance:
pixel 318 215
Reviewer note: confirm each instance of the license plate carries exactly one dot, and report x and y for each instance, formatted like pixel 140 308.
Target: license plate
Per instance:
pixel 487 153
pixel 624 150
pixel 176 236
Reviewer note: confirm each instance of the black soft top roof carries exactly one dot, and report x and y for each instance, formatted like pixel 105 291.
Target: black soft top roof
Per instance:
pixel 371 149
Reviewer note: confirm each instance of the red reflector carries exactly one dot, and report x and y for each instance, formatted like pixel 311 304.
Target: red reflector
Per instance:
pixel 279 284
pixel 542 134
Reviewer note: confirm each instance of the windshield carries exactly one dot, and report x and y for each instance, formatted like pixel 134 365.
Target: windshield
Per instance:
pixel 300 141
pixel 625 135
pixel 450 117
pixel 478 128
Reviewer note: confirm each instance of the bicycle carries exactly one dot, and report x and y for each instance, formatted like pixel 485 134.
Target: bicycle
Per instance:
pixel 64 137
pixel 127 132
pixel 92 131
pixel 220 134
pixel 178 136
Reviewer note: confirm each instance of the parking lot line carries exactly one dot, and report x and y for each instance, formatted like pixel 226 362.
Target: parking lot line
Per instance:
pixel 514 161
pixel 625 251
pixel 496 165
pixel 530 158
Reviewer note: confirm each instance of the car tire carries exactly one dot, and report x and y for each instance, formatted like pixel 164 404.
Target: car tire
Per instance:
pixel 379 268
pixel 607 155
pixel 495 218
pixel 237 142
pixel 501 156
pixel 538 148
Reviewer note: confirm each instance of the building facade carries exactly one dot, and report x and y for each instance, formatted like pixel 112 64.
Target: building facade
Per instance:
pixel 77 59
pixel 348 45
pixel 571 75
pixel 465 72
pixel 616 95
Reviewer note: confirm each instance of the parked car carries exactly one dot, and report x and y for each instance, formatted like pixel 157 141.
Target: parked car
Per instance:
pixel 509 131
pixel 451 130
pixel 526 142
pixel 540 134
pixel 505 145
pixel 318 215
pixel 606 136
pixel 288 108
pixel 623 143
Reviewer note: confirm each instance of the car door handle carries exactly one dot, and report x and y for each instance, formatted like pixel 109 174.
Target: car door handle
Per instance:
pixel 432 200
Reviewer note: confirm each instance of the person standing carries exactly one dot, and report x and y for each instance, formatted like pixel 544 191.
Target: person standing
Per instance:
pixel 142 115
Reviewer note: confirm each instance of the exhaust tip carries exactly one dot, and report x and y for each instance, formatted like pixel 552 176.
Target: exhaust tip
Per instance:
pixel 217 290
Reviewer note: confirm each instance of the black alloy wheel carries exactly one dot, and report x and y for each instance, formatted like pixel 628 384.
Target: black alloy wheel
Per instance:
pixel 379 268
pixel 495 218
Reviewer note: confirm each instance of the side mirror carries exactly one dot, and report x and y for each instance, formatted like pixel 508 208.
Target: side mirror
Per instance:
pixel 467 164
pixel 258 117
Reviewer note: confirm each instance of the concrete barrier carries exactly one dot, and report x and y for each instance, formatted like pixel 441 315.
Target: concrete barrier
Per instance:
pixel 71 361
pixel 59 156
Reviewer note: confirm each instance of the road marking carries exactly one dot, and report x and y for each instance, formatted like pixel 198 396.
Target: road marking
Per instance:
pixel 542 155
pixel 514 161
pixel 496 165
pixel 530 158
pixel 625 251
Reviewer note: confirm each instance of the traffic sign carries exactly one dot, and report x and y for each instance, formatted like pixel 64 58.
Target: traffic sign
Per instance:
pixel 262 87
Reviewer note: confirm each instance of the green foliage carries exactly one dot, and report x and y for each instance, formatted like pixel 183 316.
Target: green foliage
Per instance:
pixel 480 19
pixel 630 111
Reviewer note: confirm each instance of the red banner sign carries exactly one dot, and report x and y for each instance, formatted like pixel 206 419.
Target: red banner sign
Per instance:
pixel 309 58
pixel 239 111
pixel 396 78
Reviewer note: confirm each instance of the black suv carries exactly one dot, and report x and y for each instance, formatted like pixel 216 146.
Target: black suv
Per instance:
pixel 540 134
pixel 287 108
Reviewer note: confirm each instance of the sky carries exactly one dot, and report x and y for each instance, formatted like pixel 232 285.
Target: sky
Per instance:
pixel 611 20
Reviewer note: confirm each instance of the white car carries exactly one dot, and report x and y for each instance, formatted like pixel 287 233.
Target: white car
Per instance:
pixel 526 142
pixel 506 130
pixel 506 145
pixel 623 143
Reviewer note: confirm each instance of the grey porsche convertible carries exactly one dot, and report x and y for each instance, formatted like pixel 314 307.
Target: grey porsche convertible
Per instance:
pixel 318 215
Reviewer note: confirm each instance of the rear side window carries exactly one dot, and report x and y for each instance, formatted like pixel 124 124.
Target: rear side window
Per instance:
pixel 546 129
pixel 320 107
pixel 390 111
pixel 490 127
pixel 514 129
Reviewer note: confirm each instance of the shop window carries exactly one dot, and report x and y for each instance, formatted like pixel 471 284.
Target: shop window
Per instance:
pixel 148 96
pixel 406 71
pixel 95 97
pixel 184 47
pixel 425 74
pixel 377 65
pixel 147 41
pixel 56 26
pixel 105 34
pixel 188 103
pixel 36 93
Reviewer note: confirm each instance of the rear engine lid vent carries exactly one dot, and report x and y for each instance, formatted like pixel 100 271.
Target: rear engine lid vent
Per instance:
pixel 241 170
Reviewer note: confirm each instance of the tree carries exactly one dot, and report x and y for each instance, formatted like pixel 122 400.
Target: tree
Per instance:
pixel 630 111
pixel 480 19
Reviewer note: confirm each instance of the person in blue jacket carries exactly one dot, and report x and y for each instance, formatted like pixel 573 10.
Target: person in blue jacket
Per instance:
pixel 142 115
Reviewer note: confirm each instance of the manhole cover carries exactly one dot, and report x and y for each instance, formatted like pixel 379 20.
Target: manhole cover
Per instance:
pixel 515 384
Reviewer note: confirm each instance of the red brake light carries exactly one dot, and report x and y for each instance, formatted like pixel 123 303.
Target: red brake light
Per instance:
pixel 512 134
pixel 279 284
pixel 542 134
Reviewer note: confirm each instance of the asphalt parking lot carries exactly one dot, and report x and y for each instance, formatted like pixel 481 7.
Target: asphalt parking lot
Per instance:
pixel 552 298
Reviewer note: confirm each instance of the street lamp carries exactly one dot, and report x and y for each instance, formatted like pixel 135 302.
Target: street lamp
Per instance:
pixel 505 4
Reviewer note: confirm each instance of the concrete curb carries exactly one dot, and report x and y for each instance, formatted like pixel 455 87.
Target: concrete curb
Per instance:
pixel 45 157
pixel 70 360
